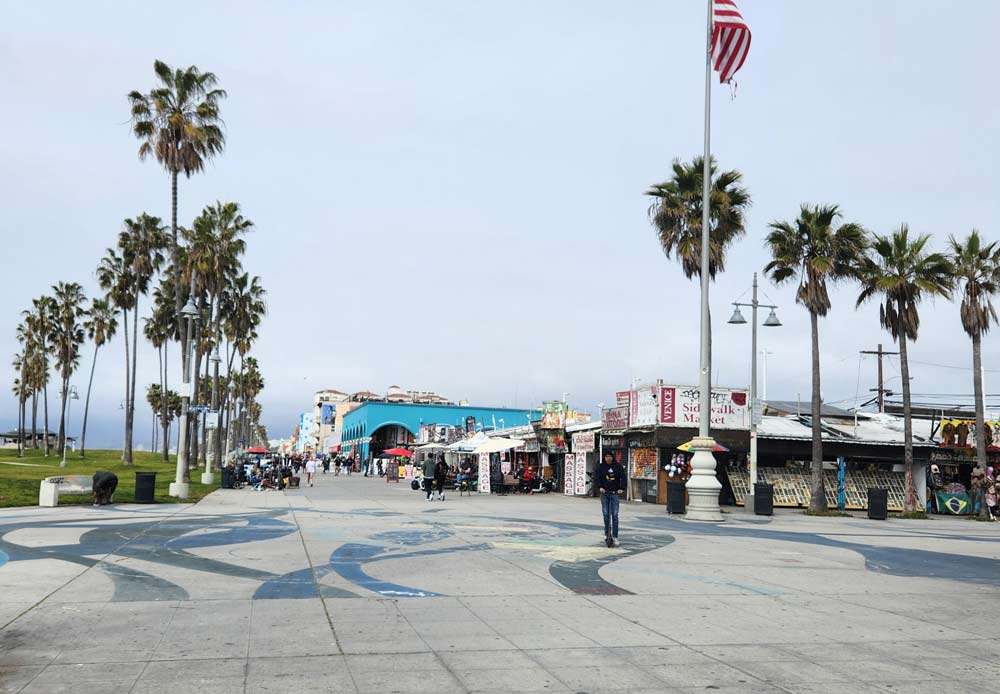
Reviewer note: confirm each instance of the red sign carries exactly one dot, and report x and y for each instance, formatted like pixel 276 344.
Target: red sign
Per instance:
pixel 622 398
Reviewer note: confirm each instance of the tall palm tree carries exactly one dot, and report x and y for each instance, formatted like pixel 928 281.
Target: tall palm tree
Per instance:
pixel 977 269
pixel 178 123
pixel 676 215
pixel 40 320
pixel 244 308
pixel 901 271
pixel 115 277
pixel 101 325
pixel 815 251
pixel 141 242
pixel 159 329
pixel 21 392
pixel 67 337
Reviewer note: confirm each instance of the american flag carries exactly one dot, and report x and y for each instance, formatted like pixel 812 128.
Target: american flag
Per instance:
pixel 730 39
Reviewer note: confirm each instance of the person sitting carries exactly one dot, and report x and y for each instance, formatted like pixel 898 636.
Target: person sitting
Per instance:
pixel 464 477
pixel 528 480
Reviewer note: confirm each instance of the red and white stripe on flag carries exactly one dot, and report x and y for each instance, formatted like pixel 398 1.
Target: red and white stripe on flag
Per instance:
pixel 730 39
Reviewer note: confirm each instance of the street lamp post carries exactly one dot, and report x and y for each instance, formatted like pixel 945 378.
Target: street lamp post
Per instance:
pixel 208 477
pixel 755 408
pixel 69 408
pixel 179 488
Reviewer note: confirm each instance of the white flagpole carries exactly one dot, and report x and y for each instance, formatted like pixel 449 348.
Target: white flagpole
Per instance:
pixel 703 485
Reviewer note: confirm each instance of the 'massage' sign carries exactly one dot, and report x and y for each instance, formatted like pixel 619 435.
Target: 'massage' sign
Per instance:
pixel 680 407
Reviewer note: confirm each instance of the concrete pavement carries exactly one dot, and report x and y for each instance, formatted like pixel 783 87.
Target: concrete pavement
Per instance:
pixel 356 585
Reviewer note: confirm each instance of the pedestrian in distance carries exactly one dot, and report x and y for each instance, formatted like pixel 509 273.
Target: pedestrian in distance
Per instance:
pixel 310 470
pixel 611 483
pixel 429 467
pixel 440 475
pixel 350 466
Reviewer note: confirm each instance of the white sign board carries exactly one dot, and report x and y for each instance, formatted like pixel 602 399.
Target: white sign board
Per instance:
pixel 583 442
pixel 643 408
pixel 212 420
pixel 679 407
pixel 484 473
pixel 569 474
pixel 581 474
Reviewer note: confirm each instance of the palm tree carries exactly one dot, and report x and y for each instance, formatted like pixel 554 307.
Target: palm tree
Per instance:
pixel 977 267
pixel 814 250
pixel 178 123
pixel 101 325
pixel 900 272
pixel 159 329
pixel 141 242
pixel 676 215
pixel 115 278
pixel 39 321
pixel 244 308
pixel 67 337
pixel 21 392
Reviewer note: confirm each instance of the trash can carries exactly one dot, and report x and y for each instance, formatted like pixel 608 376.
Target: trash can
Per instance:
pixel 878 503
pixel 763 499
pixel 145 487
pixel 227 478
pixel 676 502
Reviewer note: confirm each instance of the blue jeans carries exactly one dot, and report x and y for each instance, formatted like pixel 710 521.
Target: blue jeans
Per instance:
pixel 609 506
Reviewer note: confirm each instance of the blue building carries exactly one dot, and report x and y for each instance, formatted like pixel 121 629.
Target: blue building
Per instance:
pixel 376 426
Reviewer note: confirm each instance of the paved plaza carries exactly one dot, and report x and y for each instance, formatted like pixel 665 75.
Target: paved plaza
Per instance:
pixel 356 585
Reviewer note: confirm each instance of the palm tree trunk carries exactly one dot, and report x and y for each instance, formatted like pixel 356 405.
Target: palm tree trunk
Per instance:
pixel 20 419
pixel 164 419
pixel 86 405
pixel 977 387
pixel 175 260
pixel 62 413
pixel 125 459
pixel 34 419
pixel 904 370
pixel 130 403
pixel 45 413
pixel 817 494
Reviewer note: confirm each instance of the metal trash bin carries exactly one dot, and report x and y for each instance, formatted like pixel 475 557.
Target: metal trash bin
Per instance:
pixel 763 499
pixel 145 487
pixel 676 497
pixel 878 503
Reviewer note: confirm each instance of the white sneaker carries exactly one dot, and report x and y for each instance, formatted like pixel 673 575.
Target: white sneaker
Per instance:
pixel 441 497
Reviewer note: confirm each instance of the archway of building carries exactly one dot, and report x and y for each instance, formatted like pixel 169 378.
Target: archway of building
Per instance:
pixel 390 435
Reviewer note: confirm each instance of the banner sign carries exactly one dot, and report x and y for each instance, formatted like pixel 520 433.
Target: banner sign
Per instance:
pixel 679 407
pixel 642 407
pixel 955 504
pixel 643 463
pixel 554 440
pixel 532 446
pixel 470 425
pixel 583 442
pixel 553 415
pixel 622 398
pixel 484 473
pixel 611 442
pixel 569 474
pixel 615 419
pixel 581 474
pixel 328 415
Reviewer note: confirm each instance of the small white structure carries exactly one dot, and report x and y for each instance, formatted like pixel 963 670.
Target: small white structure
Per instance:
pixel 52 487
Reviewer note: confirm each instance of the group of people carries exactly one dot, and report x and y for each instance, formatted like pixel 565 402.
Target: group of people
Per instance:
pixel 986 490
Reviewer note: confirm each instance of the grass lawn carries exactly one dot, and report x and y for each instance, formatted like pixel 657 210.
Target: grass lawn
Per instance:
pixel 19 483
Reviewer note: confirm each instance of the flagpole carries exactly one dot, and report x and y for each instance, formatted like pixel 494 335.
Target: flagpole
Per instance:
pixel 703 487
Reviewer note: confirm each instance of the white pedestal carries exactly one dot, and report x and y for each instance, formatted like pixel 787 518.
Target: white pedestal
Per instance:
pixel 208 478
pixel 703 488
pixel 748 502
pixel 178 489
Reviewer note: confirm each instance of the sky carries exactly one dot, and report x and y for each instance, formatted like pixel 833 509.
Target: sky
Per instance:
pixel 448 195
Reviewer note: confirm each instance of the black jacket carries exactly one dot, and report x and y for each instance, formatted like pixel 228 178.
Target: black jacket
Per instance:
pixel 610 477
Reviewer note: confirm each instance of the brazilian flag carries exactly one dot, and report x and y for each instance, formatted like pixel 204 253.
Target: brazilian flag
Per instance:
pixel 955 504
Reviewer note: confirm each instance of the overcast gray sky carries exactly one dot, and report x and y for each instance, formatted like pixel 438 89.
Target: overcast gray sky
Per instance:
pixel 448 195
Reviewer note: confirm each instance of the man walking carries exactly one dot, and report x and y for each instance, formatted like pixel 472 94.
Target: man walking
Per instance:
pixel 310 469
pixel 429 469
pixel 611 483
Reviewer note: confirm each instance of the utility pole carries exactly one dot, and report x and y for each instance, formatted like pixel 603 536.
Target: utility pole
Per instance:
pixel 881 382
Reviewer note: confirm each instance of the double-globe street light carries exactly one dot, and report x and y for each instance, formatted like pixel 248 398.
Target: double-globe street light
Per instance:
pixel 755 407
pixel 208 477
pixel 179 488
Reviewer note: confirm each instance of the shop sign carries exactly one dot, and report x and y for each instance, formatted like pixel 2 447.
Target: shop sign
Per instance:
pixel 680 407
pixel 581 473
pixel 554 440
pixel 615 419
pixel 642 407
pixel 569 474
pixel 583 442
pixel 611 442
pixel 484 473
pixel 622 398
pixel 643 463
pixel 643 441
pixel 553 415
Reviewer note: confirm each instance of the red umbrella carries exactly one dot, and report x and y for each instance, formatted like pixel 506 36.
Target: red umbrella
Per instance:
pixel 398 451
pixel 256 449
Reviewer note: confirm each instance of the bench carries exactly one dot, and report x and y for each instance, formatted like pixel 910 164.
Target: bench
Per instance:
pixel 52 487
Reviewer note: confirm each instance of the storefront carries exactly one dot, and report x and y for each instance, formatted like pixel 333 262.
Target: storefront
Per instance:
pixel 949 476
